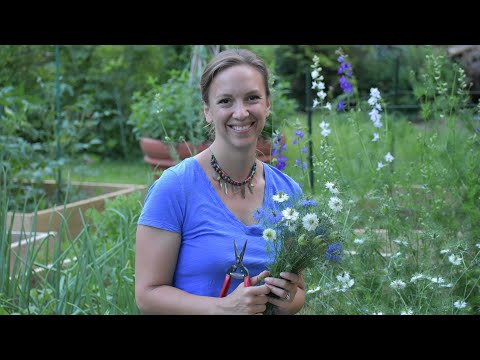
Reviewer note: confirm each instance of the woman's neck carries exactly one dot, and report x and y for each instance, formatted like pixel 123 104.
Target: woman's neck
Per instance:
pixel 237 163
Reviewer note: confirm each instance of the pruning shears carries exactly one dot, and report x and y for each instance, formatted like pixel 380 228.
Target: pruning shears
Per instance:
pixel 237 271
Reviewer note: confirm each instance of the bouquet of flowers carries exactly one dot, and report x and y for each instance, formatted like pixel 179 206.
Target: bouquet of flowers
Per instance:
pixel 301 232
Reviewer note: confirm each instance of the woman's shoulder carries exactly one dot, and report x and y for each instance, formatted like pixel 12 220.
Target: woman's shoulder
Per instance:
pixel 176 176
pixel 281 181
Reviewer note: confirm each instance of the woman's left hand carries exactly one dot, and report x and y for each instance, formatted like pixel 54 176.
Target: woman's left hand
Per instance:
pixel 285 288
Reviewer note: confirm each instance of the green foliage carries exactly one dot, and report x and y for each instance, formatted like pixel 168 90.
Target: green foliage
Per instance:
pixel 92 274
pixel 171 110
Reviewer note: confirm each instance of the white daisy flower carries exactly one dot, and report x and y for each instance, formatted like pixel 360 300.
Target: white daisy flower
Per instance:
pixel 335 204
pixel 437 280
pixel 269 234
pixel 416 277
pixel 290 214
pixel 310 222
pixel 397 284
pixel 455 259
pixel 343 277
pixel 460 304
pixel 280 197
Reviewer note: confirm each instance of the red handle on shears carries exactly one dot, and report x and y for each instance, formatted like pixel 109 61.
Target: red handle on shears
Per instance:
pixel 228 280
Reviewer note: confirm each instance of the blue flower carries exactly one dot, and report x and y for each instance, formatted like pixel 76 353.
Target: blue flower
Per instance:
pixel 304 149
pixel 345 85
pixel 299 133
pixel 308 203
pixel 258 214
pixel 281 162
pixel 343 69
pixel 334 252
pixel 273 216
pixel 341 106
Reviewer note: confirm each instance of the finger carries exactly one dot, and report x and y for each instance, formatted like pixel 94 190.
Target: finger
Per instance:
pixel 281 293
pixel 280 283
pixel 260 277
pixel 258 290
pixel 294 278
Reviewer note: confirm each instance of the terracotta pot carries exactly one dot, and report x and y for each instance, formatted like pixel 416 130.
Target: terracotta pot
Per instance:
pixel 154 149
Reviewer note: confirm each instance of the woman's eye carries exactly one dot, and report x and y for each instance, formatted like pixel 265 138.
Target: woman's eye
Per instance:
pixel 253 97
pixel 223 101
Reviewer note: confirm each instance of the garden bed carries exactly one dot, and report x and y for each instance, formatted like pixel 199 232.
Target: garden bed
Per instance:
pixel 24 244
pixel 51 219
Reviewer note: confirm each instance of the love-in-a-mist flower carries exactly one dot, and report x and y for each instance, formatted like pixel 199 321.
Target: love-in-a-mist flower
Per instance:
pixel 310 221
pixel 334 253
pixel 397 284
pixel 335 204
pixel 269 234
pixel 455 259
pixel 304 237
pixel 460 304
pixel 280 197
pixel 331 187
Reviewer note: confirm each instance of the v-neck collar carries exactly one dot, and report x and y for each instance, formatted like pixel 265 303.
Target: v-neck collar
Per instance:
pixel 221 204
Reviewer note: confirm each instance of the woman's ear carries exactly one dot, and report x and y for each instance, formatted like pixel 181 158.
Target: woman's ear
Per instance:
pixel 267 111
pixel 206 112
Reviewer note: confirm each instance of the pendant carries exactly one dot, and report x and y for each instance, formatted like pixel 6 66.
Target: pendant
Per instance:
pixel 216 177
pixel 250 187
pixel 243 190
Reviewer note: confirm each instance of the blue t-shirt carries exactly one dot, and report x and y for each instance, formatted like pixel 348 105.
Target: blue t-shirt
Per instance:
pixel 184 201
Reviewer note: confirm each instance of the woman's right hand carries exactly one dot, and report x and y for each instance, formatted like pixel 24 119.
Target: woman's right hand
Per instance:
pixel 250 300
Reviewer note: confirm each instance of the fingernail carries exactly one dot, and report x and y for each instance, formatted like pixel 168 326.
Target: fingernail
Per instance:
pixel 268 279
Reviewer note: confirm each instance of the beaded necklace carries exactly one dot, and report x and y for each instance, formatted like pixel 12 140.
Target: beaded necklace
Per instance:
pixel 223 178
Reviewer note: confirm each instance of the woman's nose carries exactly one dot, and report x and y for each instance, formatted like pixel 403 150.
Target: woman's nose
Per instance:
pixel 241 111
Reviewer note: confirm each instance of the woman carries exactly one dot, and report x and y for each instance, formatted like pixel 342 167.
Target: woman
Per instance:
pixel 196 210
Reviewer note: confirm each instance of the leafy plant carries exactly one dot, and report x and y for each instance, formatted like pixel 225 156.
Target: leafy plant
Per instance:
pixel 169 111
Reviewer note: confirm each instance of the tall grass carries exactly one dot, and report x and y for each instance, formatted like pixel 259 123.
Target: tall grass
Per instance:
pixel 92 273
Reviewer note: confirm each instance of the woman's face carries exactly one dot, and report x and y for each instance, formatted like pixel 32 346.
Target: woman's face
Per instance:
pixel 238 105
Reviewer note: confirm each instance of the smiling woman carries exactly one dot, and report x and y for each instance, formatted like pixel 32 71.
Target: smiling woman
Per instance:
pixel 196 210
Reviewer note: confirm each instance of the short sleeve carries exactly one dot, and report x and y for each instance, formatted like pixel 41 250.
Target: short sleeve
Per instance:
pixel 164 204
